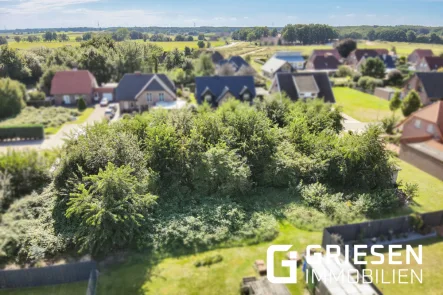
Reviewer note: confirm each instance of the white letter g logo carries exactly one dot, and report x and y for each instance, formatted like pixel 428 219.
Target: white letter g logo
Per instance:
pixel 292 279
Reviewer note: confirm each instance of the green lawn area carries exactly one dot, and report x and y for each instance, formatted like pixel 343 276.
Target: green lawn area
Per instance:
pixel 432 271
pixel 65 289
pixel 180 276
pixel 362 106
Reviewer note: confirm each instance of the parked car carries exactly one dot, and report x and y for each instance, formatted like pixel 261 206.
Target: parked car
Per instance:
pixel 104 102
pixel 109 113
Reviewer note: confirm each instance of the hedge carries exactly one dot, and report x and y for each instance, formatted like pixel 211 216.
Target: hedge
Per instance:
pixel 24 132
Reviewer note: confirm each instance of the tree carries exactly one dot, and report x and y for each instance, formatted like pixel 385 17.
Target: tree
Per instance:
pixel 190 39
pixel 395 102
pixel 226 70
pixel 205 67
pixel 17 39
pixel 179 38
pixel 371 35
pixel 63 37
pixel 174 59
pixel 99 62
pixel 78 39
pixel 411 36
pixel 48 37
pixel 121 34
pixel 395 78
pixel 345 47
pixel 201 44
pixel 344 72
pixel 274 32
pixel 201 37
pixel 35 64
pixel 373 67
pixel 3 40
pixel 81 104
pixel 187 51
pixel 411 103
pixel 87 36
pixel 13 64
pixel 12 98
pixel 251 37
pixel 435 39
pixel 246 71
pixel 112 207
pixel 289 33
pixel 36 96
pixel 208 44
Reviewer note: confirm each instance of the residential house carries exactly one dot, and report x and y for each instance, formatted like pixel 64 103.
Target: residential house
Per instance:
pixel 358 56
pixel 295 59
pixel 427 84
pixel 217 89
pixel 106 91
pixel 421 143
pixel 418 54
pixel 139 92
pixel 237 62
pixel 68 86
pixel 429 64
pixel 304 85
pixel 323 52
pixel 274 66
pixel 327 63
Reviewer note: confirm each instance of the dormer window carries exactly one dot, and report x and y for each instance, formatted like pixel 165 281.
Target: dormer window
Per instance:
pixel 246 96
pixel 208 97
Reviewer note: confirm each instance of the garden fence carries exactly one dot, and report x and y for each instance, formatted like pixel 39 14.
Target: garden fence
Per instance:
pixel 92 283
pixel 51 275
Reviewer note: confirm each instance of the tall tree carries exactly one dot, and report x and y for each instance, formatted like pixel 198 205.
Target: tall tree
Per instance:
pixel 205 67
pixel 373 67
pixel 99 62
pixel 345 47
pixel 13 64
pixel 12 97
pixel 411 103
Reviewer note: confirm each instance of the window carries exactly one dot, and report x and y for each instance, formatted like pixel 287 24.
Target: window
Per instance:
pixel 208 97
pixel 149 97
pixel 161 97
pixel 66 99
pixel 419 89
pixel 417 124
pixel 430 129
pixel 246 96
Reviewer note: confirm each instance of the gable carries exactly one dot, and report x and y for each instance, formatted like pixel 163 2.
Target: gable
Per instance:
pixel 219 86
pixel 72 82
pixel 154 86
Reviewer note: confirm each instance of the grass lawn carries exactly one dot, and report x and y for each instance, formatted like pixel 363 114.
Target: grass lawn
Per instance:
pixel 180 276
pixel 362 106
pixel 432 271
pixel 65 289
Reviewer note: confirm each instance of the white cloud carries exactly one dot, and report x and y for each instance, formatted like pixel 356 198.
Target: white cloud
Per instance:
pixel 371 15
pixel 350 15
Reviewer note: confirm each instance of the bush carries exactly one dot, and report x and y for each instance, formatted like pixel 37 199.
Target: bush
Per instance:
pixel 307 218
pixel 411 103
pixel 81 104
pixel 24 132
pixel 389 124
pixel 37 96
pixel 373 67
pixel 369 84
pixel 344 72
pixel 395 78
pixel 208 261
pixel 12 98
pixel 179 93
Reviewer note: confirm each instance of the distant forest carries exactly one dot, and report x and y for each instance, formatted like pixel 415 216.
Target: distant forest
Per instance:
pixel 403 33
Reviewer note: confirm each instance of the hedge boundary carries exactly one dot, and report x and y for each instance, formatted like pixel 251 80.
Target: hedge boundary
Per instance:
pixel 22 132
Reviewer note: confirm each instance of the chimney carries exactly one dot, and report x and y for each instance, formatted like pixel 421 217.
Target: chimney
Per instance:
pixel 138 73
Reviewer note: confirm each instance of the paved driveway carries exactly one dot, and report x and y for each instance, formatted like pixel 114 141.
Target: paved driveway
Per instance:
pixel 351 124
pixel 56 140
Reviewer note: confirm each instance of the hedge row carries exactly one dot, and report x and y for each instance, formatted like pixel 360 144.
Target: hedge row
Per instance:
pixel 24 132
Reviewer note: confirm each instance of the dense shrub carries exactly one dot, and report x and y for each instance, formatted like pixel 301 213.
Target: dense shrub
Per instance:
pixel 411 103
pixel 36 96
pixel 369 84
pixel 208 261
pixel 81 104
pixel 389 124
pixel 12 98
pixel 23 132
pixel 344 72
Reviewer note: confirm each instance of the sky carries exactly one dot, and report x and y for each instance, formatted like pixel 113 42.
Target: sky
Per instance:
pixel 21 14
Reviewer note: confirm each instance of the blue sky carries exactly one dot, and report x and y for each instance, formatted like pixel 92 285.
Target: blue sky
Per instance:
pixel 75 13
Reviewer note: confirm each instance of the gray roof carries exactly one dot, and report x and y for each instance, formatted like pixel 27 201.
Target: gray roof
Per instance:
pixel 432 82
pixel 273 65
pixel 132 84
pixel 306 83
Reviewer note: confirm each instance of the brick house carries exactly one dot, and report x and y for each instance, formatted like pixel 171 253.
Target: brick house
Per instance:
pixel 427 85
pixel 323 52
pixel 323 63
pixel 138 92
pixel 418 55
pixel 421 143
pixel 429 64
pixel 68 86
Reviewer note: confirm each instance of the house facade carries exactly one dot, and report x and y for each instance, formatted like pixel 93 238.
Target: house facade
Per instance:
pixel 429 64
pixel 216 90
pixel 421 143
pixel 418 54
pixel 427 85
pixel 323 63
pixel 306 85
pixel 69 86
pixel 139 92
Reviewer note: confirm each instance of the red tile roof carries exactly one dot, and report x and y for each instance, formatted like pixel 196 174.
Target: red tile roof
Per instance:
pixel 423 52
pixel 325 52
pixel 434 62
pixel 73 82
pixel 328 62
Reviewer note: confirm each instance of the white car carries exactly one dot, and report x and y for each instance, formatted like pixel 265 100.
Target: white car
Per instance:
pixel 109 113
pixel 113 106
pixel 104 102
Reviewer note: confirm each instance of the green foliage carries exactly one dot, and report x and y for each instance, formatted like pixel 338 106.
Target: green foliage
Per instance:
pixel 395 78
pixel 344 72
pixel 46 79
pixel 204 66
pixel 37 96
pixel 23 132
pixel 12 98
pixel 13 64
pixel 411 103
pixel 201 44
pixel 99 62
pixel 389 123
pixel 345 47
pixel 27 171
pixel 395 102
pixel 3 40
pixel 121 34
pixel 369 84
pixel 81 104
pixel 208 261
pixel 112 207
pixel 373 67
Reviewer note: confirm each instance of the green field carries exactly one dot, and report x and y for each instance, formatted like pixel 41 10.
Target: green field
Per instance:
pixel 432 268
pixel 65 289
pixel 362 106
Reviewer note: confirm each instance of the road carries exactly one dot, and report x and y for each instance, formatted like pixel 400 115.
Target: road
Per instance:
pixel 351 124
pixel 56 140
